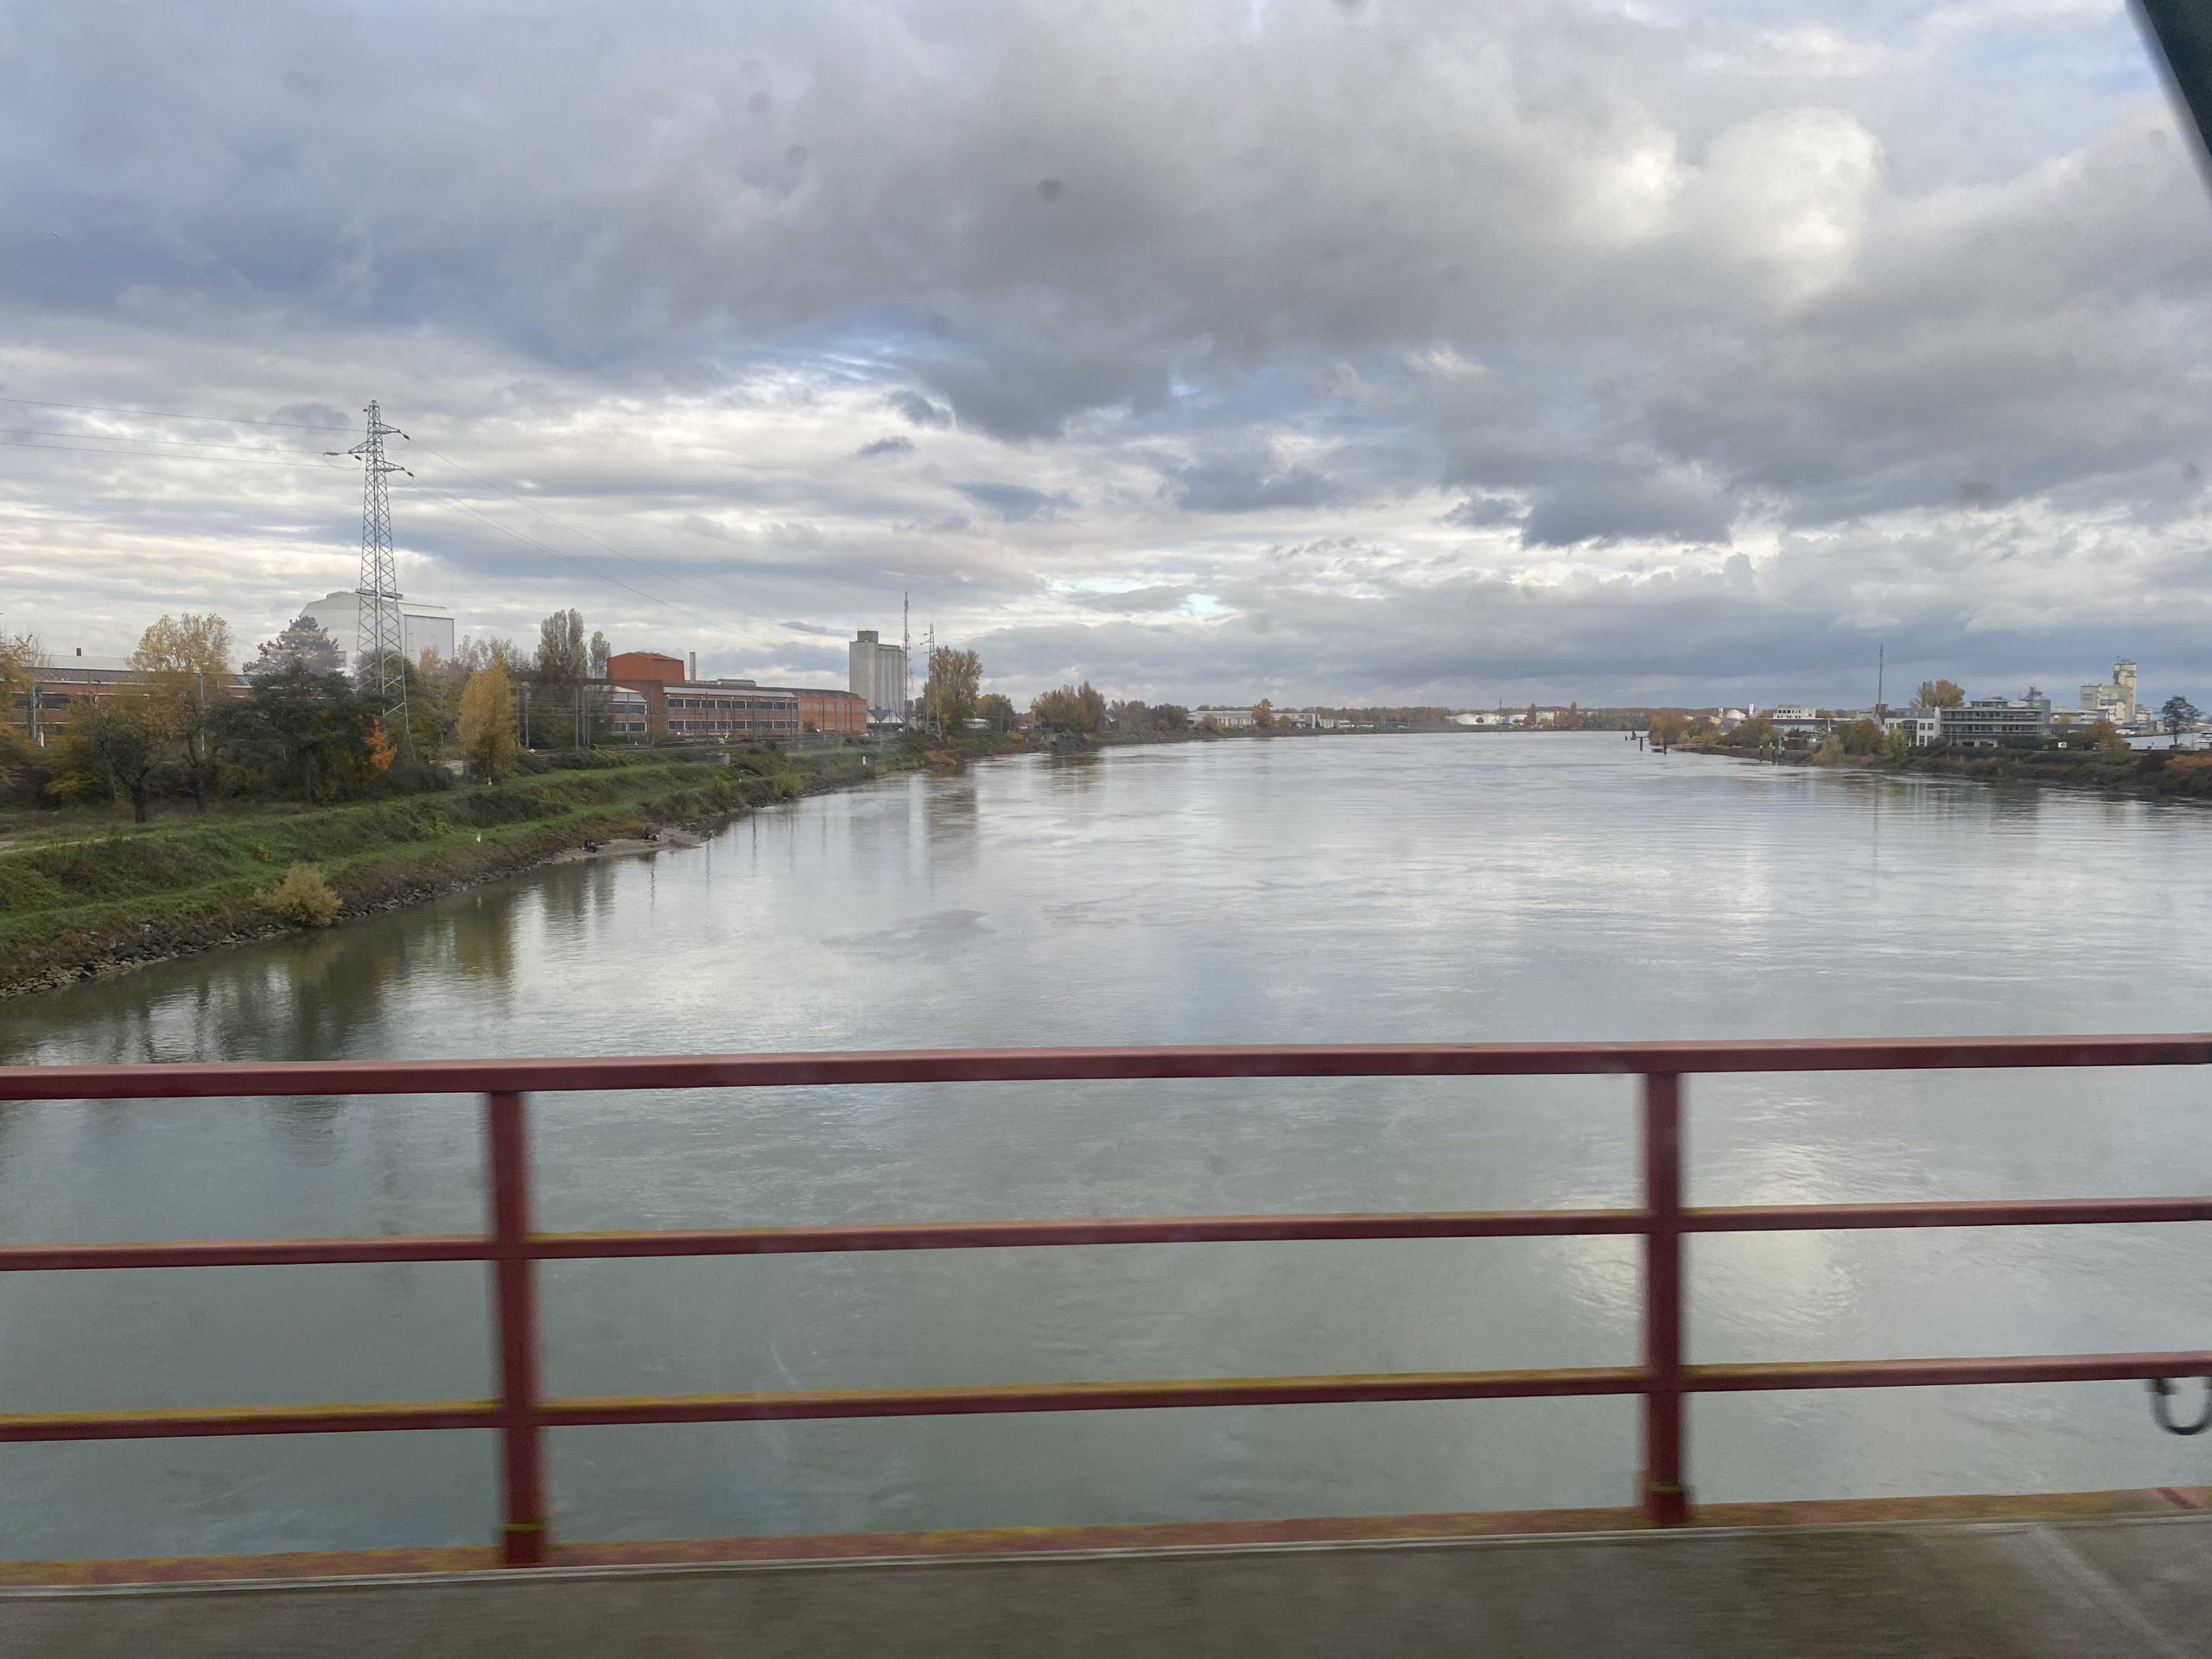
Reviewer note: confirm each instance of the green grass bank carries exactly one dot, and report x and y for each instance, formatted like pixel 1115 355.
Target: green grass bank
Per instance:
pixel 84 899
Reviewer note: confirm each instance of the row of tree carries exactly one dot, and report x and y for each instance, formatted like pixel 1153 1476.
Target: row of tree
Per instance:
pixel 177 727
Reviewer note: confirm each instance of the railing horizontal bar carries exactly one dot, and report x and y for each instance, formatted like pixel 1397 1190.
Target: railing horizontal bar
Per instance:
pixel 244 1252
pixel 203 1421
pixel 1134 1230
pixel 994 1400
pixel 547 1075
pixel 2001 1212
pixel 1089 1396
pixel 1937 1373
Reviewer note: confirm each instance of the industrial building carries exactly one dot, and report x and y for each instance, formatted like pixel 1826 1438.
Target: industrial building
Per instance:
pixel 675 703
pixel 878 675
pixel 68 685
pixel 423 627
pixel 2114 700
pixel 1983 722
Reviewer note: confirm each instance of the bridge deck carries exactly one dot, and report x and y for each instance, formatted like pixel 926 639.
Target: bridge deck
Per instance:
pixel 1976 1589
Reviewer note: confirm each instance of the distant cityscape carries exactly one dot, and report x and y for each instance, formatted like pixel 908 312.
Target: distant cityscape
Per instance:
pixel 654 696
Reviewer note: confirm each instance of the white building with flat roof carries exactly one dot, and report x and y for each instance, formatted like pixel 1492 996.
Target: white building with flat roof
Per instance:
pixel 423 626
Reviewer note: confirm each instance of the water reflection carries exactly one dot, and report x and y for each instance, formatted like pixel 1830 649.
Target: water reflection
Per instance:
pixel 1554 888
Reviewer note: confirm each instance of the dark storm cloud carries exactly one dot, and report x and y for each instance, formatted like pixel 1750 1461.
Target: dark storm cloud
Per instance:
pixel 1924 343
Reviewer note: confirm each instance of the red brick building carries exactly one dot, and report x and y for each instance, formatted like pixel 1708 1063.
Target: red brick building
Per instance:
pixel 680 704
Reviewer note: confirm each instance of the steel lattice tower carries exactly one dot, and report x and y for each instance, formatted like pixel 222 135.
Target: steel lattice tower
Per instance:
pixel 380 661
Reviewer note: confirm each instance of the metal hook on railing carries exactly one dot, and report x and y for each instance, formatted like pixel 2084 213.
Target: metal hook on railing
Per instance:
pixel 2162 1388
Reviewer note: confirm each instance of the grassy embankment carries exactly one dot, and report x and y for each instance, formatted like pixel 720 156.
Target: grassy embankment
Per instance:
pixel 79 896
pixel 84 891
pixel 2184 774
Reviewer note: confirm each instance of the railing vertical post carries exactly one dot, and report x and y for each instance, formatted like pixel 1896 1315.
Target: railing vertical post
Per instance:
pixel 522 1533
pixel 1666 1498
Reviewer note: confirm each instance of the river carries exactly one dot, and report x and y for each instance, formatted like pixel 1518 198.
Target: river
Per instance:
pixel 1453 887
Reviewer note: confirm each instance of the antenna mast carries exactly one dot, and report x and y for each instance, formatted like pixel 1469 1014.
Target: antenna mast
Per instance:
pixel 906 659
pixel 1881 669
pixel 380 658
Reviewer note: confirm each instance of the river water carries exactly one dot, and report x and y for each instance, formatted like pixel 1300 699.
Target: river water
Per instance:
pixel 1491 887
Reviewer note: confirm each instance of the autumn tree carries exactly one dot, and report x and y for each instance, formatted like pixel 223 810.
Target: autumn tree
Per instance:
pixel 1862 737
pixel 21 659
pixel 1668 726
pixel 472 654
pixel 487 722
pixel 1263 716
pixel 113 747
pixel 1079 709
pixel 997 712
pixel 1940 694
pixel 2111 746
pixel 555 680
pixel 184 662
pixel 20 662
pixel 954 683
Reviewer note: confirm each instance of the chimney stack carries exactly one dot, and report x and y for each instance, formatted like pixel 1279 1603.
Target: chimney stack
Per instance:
pixel 694 667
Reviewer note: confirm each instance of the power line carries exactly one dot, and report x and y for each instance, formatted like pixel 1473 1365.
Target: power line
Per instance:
pixel 305 426
pixel 122 437
pixel 308 466
pixel 627 558
pixel 156 455
pixel 171 415
pixel 458 504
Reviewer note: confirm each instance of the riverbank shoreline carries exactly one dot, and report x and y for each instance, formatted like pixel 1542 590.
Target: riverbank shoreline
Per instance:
pixel 2143 774
pixel 430 849
pixel 99 932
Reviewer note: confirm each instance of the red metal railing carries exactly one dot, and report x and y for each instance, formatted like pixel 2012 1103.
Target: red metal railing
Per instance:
pixel 520 1413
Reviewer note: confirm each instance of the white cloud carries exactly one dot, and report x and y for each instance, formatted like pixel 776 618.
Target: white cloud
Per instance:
pixel 1468 349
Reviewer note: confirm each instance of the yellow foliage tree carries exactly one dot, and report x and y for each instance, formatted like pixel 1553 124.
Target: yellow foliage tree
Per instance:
pixel 184 662
pixel 487 722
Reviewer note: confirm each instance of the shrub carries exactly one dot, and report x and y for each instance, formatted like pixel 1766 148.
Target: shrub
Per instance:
pixel 303 898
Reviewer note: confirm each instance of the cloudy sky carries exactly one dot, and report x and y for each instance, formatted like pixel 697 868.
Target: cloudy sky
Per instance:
pixel 1388 350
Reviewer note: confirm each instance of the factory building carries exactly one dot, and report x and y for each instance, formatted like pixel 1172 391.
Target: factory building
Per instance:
pixel 2115 700
pixel 878 675
pixel 67 686
pixel 423 627
pixel 678 703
